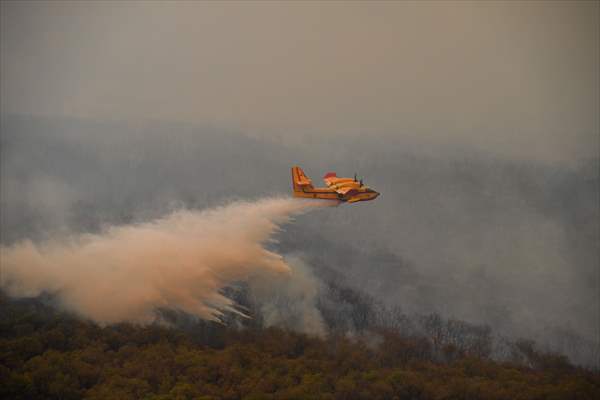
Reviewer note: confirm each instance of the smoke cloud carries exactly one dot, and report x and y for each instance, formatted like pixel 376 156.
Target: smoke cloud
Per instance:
pixel 181 261
pixel 291 301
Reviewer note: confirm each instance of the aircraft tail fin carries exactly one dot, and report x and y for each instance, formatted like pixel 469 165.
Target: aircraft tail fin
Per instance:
pixel 300 180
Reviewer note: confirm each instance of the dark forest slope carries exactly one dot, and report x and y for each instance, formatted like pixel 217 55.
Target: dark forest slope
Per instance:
pixel 45 354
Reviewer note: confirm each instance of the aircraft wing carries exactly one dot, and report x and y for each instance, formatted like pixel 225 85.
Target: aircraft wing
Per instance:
pixel 330 178
pixel 343 186
pixel 346 191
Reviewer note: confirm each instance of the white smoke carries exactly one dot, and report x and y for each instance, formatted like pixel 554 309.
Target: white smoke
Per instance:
pixel 181 262
pixel 290 301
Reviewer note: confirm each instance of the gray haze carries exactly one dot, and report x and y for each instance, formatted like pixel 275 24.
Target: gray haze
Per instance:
pixel 518 79
pixel 477 122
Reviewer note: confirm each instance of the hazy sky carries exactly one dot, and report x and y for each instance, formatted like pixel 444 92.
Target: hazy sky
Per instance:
pixel 518 79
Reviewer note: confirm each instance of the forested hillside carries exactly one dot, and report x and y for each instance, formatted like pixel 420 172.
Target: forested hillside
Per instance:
pixel 47 354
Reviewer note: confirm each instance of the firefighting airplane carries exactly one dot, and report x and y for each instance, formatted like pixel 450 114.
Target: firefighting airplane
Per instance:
pixel 340 189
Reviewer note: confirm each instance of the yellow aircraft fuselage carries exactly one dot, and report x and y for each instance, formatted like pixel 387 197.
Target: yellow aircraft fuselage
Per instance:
pixel 339 189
